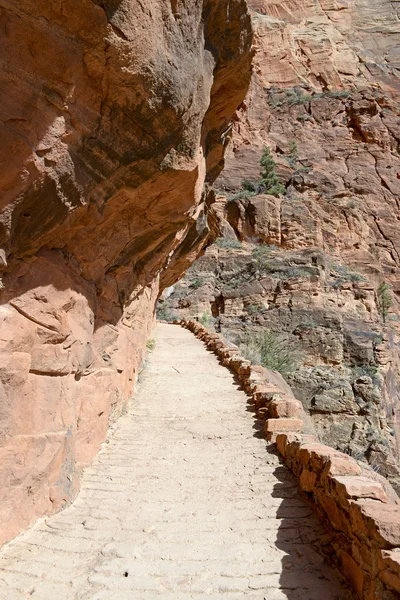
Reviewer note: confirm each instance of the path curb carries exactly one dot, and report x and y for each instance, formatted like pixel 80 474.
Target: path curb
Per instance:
pixel 364 522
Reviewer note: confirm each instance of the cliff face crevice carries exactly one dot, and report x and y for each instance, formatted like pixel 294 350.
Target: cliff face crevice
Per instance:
pixel 113 115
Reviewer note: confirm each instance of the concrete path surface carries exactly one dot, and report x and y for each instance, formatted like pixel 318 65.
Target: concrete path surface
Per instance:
pixel 184 502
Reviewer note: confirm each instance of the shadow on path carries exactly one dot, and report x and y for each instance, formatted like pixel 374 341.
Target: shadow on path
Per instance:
pixel 300 533
pixel 302 537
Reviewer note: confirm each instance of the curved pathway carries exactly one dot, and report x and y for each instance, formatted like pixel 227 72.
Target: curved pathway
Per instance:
pixel 184 502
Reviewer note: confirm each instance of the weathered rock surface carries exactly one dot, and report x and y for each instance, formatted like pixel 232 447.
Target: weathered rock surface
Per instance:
pixel 183 500
pixel 113 116
pixel 324 98
pixel 325 317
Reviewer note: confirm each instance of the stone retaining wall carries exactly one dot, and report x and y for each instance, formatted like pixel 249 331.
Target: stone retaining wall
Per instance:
pixel 361 513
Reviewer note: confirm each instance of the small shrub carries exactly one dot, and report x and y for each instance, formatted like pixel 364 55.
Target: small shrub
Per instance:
pixel 392 318
pixel 264 250
pixel 197 283
pixel 293 156
pixel 151 344
pixel 333 94
pixel 285 273
pixel 305 117
pixel 310 324
pixel 254 309
pixel 275 102
pixel 205 319
pixel 263 264
pixel 249 186
pixel 344 276
pixel 262 256
pixel 235 282
pixel 384 299
pixel 228 243
pixel 364 371
pixel 293 272
pixel 296 97
pixel 276 190
pixel 164 313
pixel 293 150
pixel 378 339
pixel 356 277
pixel 252 352
pixel 179 292
pixel 303 169
pixel 241 195
pixel 271 351
pixel 338 94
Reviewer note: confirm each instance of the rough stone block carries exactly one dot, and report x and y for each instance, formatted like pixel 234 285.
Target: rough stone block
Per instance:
pixel 353 573
pixel 306 451
pixel 284 441
pixel 267 390
pixel 318 455
pixel 341 465
pixel 227 361
pixel 336 516
pixel 279 425
pixel 263 413
pixel 390 569
pixel 281 443
pixel 237 362
pixel 264 394
pixel 350 486
pixel 230 352
pixel 292 448
pixel 376 520
pixel 307 480
pixel 364 555
pixel 292 409
pixel 244 368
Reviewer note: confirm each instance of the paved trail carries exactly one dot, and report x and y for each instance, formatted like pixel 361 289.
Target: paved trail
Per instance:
pixel 183 503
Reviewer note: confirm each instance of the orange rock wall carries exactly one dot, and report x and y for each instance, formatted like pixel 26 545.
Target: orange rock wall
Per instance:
pixel 65 375
pixel 326 76
pixel 112 115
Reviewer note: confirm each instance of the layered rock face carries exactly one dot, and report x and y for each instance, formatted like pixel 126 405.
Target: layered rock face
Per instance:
pixel 114 115
pixel 324 99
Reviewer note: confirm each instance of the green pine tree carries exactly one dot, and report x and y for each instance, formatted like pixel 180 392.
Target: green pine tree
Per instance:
pixel 269 179
pixel 384 299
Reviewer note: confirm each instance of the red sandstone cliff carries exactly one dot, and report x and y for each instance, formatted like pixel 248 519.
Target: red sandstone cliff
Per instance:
pixel 113 114
pixel 324 98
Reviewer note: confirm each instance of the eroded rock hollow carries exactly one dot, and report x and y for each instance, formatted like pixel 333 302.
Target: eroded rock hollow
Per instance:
pixel 114 120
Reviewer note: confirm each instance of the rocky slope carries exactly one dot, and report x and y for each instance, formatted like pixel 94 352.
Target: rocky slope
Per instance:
pixel 324 99
pixel 113 116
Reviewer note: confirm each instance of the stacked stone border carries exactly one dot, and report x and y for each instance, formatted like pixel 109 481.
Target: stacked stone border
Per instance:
pixel 364 522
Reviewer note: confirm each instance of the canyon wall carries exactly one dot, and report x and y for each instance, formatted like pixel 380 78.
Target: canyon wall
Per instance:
pixel 113 119
pixel 307 264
